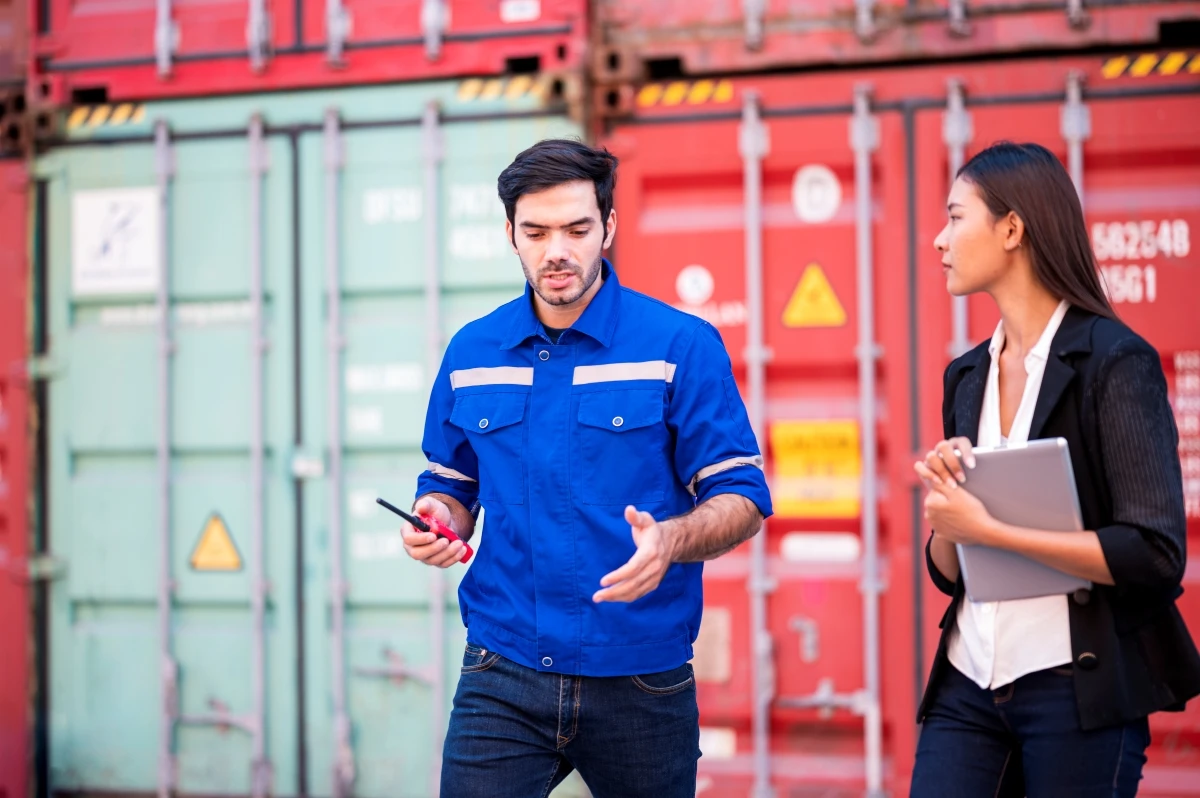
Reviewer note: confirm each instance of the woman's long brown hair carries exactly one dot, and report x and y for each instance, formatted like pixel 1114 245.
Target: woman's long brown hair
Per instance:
pixel 1026 179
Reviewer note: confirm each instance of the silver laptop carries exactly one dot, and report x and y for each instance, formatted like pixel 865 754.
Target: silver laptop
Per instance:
pixel 1030 485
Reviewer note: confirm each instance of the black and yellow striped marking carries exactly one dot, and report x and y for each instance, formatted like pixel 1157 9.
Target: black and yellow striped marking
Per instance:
pixel 682 92
pixel 1145 65
pixel 94 116
pixel 513 88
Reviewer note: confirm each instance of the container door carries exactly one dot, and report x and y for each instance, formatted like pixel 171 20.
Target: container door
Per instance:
pixel 16 396
pixel 171 509
pixel 445 37
pixel 403 244
pixel 683 193
pixel 87 35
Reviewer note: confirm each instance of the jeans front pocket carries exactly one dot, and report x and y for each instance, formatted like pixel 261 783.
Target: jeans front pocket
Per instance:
pixel 476 659
pixel 666 682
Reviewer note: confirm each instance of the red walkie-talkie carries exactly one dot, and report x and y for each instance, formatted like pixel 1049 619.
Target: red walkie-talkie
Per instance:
pixel 428 523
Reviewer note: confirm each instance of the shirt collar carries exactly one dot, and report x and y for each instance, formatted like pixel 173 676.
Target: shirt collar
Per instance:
pixel 1041 350
pixel 598 321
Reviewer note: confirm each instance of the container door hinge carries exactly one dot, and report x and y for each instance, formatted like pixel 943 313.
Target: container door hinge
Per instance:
pixel 435 20
pixel 753 12
pixel 166 37
pixel 338 24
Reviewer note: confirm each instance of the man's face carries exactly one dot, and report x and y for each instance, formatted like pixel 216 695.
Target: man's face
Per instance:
pixel 559 238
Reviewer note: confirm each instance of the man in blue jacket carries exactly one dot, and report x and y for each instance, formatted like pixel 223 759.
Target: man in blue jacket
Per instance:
pixel 604 434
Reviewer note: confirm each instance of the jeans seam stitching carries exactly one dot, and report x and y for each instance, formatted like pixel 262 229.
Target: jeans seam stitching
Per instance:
pixel 1003 770
pixel 575 721
pixel 549 781
pixel 558 732
pixel 1120 757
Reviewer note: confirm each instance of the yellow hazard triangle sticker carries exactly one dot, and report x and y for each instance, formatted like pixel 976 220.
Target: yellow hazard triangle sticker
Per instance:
pixel 215 550
pixel 813 303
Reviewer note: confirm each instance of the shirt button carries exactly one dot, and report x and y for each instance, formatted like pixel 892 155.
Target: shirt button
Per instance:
pixel 547 662
pixel 483 423
pixel 618 421
pixel 544 355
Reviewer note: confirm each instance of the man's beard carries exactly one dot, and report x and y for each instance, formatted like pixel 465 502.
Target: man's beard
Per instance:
pixel 587 280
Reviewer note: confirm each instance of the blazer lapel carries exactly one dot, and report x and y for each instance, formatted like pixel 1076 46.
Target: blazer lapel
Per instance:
pixel 1057 377
pixel 1073 337
pixel 968 400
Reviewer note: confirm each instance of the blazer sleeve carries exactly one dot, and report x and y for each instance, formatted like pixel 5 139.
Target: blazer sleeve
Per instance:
pixel 949 387
pixel 1146 545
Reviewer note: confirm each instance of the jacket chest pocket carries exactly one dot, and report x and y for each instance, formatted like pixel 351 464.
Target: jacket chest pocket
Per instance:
pixel 624 447
pixel 494 424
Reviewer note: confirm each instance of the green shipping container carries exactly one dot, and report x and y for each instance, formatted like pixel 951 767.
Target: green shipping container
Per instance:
pixel 247 299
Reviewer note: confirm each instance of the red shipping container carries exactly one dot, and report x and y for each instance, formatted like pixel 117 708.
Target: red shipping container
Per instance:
pixel 712 36
pixel 14 402
pixel 14 37
pixel 124 51
pixel 836 185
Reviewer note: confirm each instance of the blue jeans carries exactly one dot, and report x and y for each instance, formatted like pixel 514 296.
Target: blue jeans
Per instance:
pixel 1023 740
pixel 517 733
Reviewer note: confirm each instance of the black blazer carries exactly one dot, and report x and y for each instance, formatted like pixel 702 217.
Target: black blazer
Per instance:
pixel 1104 391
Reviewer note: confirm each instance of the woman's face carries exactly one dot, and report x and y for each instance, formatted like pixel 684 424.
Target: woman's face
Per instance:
pixel 976 248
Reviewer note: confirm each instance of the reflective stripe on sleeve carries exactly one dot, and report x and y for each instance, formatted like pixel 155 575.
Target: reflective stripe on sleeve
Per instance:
pixel 440 470
pixel 625 372
pixel 724 465
pixel 499 375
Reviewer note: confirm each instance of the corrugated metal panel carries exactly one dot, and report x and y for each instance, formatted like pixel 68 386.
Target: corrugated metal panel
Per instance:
pixel 372 217
pixel 15 682
pixel 705 37
pixel 172 50
pixel 856 164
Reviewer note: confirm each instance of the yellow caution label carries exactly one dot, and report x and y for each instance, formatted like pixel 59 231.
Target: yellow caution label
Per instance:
pixel 817 469
pixel 215 550
pixel 1143 65
pixel 813 303
pixel 514 88
pixel 94 116
pixel 682 92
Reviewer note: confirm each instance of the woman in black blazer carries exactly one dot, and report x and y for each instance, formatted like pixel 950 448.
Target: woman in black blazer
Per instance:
pixel 1050 696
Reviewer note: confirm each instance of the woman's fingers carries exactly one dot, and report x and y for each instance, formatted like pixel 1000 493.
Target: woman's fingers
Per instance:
pixel 946 453
pixel 965 450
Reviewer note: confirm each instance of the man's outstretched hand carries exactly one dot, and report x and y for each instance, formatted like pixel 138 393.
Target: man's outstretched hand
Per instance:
pixel 645 568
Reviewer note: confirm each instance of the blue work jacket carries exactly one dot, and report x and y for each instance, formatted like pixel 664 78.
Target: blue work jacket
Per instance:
pixel 636 404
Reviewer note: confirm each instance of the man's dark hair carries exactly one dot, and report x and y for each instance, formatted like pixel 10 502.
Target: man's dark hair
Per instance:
pixel 553 162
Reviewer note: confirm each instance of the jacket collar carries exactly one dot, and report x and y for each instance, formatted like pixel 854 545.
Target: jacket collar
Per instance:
pixel 1074 337
pixel 599 319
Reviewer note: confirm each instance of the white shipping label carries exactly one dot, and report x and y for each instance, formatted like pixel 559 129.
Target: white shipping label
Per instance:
pixel 385 378
pixel 365 420
pixel 520 10
pixel 816 194
pixel 695 285
pixel 478 242
pixel 116 236
pixel 383 205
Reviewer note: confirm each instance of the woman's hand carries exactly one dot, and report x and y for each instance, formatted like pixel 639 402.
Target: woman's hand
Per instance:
pixel 947 462
pixel 955 514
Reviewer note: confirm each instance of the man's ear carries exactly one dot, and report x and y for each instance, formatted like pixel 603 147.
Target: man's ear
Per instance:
pixel 511 235
pixel 610 229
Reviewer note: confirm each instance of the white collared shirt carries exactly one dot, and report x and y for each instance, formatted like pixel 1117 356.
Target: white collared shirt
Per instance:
pixel 998 642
